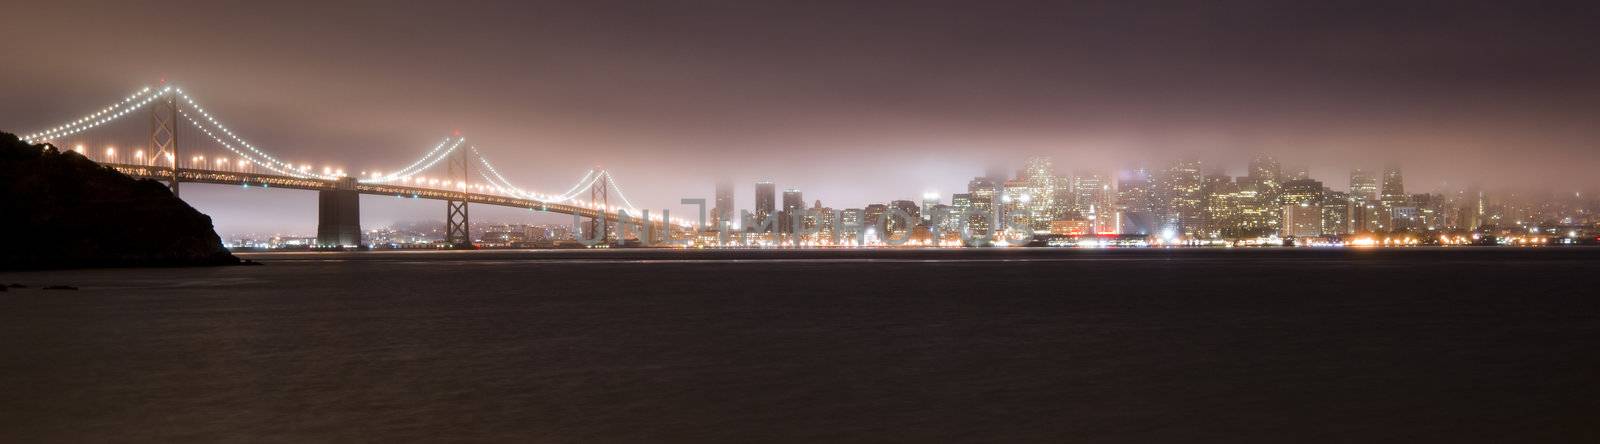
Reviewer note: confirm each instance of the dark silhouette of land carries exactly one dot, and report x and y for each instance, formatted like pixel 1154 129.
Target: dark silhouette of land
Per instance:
pixel 61 210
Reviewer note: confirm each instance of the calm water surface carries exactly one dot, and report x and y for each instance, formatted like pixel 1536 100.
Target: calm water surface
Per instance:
pixel 1494 345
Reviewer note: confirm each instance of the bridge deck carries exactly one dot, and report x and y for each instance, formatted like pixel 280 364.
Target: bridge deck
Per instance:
pixel 279 181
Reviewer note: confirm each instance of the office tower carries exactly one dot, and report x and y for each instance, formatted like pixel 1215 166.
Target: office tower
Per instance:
pixel 1336 212
pixel 793 206
pixel 1181 193
pixel 960 208
pixel 875 222
pixel 1266 169
pixel 895 225
pixel 1302 220
pixel 1259 212
pixel 722 210
pixel 1087 190
pixel 766 201
pixel 1431 211
pixel 982 194
pixel 1396 211
pixel 851 217
pixel 1135 202
pixel 1039 179
pixel 929 200
pixel 1363 187
pixel 1299 191
pixel 1394 190
pixel 1222 207
pixel 1014 205
pixel 821 219
pixel 1266 177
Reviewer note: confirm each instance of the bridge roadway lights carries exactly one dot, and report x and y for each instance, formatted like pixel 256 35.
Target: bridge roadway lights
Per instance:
pixel 339 215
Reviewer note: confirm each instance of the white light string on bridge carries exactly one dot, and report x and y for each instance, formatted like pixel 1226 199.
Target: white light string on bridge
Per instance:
pixel 610 180
pixel 285 169
pixel 117 110
pixel 266 160
pixel 583 183
pixel 427 160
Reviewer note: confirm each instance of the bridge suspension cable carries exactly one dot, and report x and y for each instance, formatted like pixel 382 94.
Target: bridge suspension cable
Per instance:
pixel 427 160
pixel 106 115
pixel 501 181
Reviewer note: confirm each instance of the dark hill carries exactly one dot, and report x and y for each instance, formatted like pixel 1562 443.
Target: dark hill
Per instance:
pixel 59 209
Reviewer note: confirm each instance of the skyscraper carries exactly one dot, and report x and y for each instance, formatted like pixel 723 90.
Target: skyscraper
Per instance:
pixel 722 210
pixel 1394 188
pixel 1135 201
pixel 766 201
pixel 1182 194
pixel 1395 205
pixel 897 226
pixel 1039 179
pixel 929 199
pixel 793 206
pixel 981 194
pixel 1299 191
pixel 1363 186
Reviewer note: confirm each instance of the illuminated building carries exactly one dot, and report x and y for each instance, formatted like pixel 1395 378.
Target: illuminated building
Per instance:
pixel 896 226
pixel 1136 203
pixel 929 200
pixel 766 202
pixel 722 211
pixel 850 217
pixel 793 204
pixel 1181 195
pixel 1039 180
pixel 1074 226
pixel 875 223
pixel 821 218
pixel 1363 186
pixel 1300 191
pixel 1014 205
pixel 1394 197
pixel 1223 203
pixel 981 195
pixel 1093 197
pixel 1336 211
pixel 1302 220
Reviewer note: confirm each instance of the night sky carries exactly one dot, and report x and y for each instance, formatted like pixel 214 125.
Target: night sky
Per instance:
pixel 852 102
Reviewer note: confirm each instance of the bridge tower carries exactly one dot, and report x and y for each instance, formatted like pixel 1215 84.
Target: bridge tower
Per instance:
pixel 339 215
pixel 598 196
pixel 164 133
pixel 457 231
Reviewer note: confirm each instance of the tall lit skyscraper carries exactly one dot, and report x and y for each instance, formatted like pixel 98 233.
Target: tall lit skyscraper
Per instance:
pixel 1336 211
pixel 1363 186
pixel 1397 213
pixel 982 194
pixel 1094 199
pixel 1039 179
pixel 722 210
pixel 766 201
pixel 929 200
pixel 1182 194
pixel 1136 202
pixel 897 226
pixel 793 206
pixel 1394 188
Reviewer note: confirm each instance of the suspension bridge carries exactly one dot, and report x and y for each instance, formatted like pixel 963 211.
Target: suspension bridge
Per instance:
pixel 180 142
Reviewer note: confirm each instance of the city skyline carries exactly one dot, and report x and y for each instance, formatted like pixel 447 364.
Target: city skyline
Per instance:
pixel 823 98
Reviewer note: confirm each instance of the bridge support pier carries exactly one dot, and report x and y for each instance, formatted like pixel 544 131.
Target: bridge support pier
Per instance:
pixel 339 215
